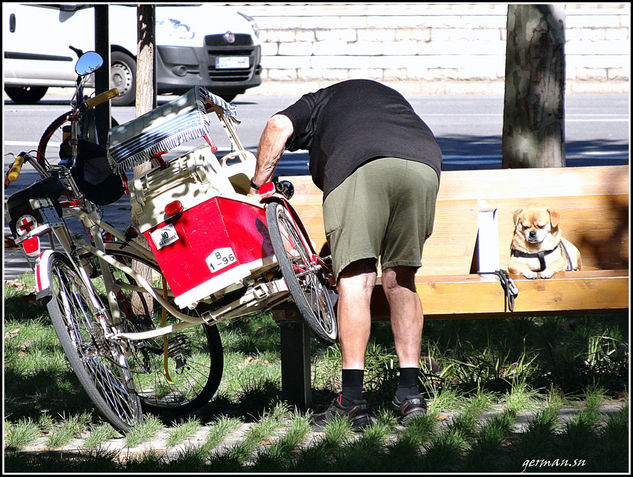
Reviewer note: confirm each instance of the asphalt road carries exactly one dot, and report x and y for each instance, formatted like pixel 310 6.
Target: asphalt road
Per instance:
pixel 468 129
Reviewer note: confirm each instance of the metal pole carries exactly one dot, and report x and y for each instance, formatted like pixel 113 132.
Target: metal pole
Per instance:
pixel 102 75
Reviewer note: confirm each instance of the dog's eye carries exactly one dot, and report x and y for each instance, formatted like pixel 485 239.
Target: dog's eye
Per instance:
pixel 540 226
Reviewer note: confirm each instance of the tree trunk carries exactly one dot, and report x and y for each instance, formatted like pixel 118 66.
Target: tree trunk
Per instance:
pixel 533 115
pixel 145 94
pixel 145 102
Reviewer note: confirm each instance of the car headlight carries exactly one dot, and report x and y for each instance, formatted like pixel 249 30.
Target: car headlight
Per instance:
pixel 174 30
pixel 251 21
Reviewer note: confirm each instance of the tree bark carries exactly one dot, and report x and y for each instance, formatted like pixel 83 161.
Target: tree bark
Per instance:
pixel 145 102
pixel 533 116
pixel 145 94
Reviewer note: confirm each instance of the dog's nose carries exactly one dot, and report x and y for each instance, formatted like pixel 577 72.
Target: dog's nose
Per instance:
pixel 532 233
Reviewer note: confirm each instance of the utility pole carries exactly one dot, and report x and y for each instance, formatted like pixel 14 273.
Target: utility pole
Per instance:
pixel 146 59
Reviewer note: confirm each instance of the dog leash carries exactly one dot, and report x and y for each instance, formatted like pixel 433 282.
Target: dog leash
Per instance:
pixel 570 266
pixel 510 289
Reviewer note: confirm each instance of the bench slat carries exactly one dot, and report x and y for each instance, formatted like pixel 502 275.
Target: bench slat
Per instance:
pixel 477 296
pixel 509 183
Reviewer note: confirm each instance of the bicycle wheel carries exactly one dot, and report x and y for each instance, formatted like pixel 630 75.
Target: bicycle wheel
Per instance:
pixel 100 364
pixel 195 360
pixel 53 136
pixel 303 274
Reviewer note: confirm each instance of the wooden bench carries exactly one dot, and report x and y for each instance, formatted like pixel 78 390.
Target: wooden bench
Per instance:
pixel 594 207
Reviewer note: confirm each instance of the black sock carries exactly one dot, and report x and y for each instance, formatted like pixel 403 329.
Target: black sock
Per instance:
pixel 408 385
pixel 352 385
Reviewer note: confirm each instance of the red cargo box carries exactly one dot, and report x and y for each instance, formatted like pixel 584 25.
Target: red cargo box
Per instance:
pixel 206 236
pixel 211 247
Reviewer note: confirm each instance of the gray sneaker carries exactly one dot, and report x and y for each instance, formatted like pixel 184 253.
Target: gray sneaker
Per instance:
pixel 357 413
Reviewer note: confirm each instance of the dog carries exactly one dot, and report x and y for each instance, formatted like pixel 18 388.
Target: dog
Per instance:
pixel 538 245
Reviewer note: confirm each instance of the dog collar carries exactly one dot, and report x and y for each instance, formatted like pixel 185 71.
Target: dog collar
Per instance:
pixel 539 255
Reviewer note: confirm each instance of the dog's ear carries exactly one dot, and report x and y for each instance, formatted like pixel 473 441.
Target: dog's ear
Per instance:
pixel 515 216
pixel 554 217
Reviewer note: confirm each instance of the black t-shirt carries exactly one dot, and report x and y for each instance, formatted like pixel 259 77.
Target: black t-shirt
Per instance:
pixel 350 123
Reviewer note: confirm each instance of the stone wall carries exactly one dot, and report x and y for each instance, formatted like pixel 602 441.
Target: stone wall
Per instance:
pixel 431 48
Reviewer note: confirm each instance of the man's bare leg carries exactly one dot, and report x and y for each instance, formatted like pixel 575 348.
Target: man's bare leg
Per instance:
pixel 406 314
pixel 407 320
pixel 355 285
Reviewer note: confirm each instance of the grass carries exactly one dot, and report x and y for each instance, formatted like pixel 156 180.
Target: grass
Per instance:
pixel 482 380
pixel 98 435
pixel 66 429
pixel 182 431
pixel 20 434
pixel 145 432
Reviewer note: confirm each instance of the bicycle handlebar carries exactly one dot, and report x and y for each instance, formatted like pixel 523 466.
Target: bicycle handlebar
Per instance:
pixel 101 98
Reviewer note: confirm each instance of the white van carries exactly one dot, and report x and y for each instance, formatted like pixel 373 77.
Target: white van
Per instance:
pixel 203 44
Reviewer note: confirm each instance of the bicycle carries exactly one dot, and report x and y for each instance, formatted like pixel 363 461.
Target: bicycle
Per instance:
pixel 90 303
pixel 117 387
pixel 126 336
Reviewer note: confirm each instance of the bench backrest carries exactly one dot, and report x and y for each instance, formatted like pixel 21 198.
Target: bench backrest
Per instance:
pixel 593 203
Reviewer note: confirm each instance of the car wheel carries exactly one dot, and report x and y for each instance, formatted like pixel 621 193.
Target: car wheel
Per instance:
pixel 123 77
pixel 25 94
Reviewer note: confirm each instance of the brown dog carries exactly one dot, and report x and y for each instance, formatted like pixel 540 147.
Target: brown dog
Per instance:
pixel 538 244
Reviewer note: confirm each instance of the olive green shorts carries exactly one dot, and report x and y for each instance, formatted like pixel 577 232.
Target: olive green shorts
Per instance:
pixel 385 210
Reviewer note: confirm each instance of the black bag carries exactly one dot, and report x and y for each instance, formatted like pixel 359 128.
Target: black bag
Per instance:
pixel 94 176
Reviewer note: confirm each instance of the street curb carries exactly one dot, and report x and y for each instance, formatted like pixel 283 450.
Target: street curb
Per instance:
pixel 406 87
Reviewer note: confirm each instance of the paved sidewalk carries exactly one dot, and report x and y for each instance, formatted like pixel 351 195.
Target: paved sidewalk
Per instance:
pixel 158 444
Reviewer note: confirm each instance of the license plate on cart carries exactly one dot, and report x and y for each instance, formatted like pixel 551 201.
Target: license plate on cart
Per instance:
pixel 220 258
pixel 227 62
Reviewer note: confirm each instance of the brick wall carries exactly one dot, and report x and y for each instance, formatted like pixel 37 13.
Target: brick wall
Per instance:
pixel 432 48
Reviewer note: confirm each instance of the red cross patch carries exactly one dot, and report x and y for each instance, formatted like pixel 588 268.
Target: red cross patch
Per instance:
pixel 25 224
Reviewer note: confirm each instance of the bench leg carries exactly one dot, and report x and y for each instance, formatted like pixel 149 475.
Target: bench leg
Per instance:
pixel 295 358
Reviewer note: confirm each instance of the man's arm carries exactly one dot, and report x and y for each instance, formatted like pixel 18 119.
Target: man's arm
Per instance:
pixel 271 146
